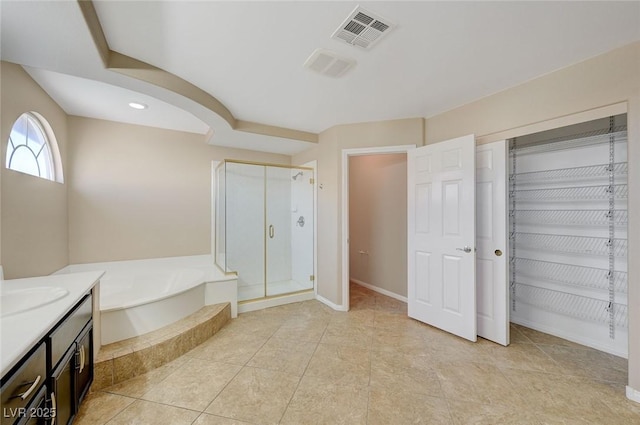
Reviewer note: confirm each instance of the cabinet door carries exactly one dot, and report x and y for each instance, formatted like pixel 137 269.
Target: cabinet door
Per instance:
pixel 62 388
pixel 84 364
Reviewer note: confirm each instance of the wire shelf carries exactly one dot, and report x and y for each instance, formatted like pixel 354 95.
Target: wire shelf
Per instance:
pixel 571 217
pixel 577 306
pixel 584 277
pixel 572 194
pixel 584 245
pixel 552 145
pixel 572 174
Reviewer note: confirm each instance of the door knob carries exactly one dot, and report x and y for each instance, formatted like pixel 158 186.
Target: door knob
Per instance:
pixel 465 249
pixel 497 252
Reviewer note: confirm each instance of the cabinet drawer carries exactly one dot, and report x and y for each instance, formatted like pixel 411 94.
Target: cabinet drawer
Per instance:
pixel 23 385
pixel 38 413
pixel 66 333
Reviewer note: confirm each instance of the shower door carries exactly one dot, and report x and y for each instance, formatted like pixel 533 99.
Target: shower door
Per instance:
pixel 289 231
pixel 264 228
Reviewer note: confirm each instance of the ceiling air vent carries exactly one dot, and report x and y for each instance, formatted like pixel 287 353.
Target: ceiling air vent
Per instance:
pixel 362 28
pixel 328 63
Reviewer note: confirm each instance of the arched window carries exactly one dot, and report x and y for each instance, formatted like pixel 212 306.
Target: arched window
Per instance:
pixel 32 146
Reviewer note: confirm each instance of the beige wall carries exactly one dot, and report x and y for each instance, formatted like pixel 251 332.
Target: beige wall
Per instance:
pixel 378 221
pixel 329 156
pixel 139 192
pixel 34 211
pixel 604 80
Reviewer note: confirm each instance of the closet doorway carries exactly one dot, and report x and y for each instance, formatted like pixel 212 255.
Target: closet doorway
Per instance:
pixel 567 226
pixel 568 233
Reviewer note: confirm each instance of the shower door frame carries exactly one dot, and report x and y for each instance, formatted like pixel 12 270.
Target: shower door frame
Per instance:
pixel 215 166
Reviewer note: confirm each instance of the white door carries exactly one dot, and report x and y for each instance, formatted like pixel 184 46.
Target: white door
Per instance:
pixel 491 241
pixel 441 235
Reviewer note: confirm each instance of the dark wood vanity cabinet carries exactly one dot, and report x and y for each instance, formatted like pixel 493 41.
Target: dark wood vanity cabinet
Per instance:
pixel 38 412
pixel 48 384
pixel 71 347
pixel 84 363
pixel 70 381
pixel 24 389
pixel 61 382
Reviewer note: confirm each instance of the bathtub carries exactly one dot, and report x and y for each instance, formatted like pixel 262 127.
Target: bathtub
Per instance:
pixel 141 296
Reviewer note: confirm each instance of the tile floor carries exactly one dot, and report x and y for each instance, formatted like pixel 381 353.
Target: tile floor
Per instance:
pixel 304 363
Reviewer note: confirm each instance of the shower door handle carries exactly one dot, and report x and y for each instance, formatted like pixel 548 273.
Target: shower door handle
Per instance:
pixel 271 231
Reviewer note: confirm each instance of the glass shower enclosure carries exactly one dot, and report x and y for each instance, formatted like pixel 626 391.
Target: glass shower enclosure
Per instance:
pixel 264 227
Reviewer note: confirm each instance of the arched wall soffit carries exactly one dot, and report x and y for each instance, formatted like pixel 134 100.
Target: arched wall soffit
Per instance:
pixel 158 77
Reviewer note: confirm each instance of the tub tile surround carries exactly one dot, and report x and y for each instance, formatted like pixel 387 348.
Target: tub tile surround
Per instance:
pixel 123 360
pixel 407 373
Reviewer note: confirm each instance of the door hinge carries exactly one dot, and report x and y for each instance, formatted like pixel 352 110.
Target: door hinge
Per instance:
pixel 312 278
pixel 312 181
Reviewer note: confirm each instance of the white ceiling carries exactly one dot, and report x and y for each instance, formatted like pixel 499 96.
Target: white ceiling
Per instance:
pixel 95 99
pixel 249 55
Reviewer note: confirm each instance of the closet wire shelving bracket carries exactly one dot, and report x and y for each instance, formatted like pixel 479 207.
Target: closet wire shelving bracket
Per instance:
pixel 512 222
pixel 612 200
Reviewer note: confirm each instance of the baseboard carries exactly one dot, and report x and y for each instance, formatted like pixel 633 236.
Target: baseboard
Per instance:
pixel 336 307
pixel 633 395
pixel 379 290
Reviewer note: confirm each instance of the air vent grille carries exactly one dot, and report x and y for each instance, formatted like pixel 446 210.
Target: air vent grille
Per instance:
pixel 362 28
pixel 328 63
pixel 365 19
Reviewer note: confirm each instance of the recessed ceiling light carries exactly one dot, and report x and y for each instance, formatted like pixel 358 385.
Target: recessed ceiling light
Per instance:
pixel 138 105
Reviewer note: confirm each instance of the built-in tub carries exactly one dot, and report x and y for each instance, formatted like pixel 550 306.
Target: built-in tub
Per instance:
pixel 141 296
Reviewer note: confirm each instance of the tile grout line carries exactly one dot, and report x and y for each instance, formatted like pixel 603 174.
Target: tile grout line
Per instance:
pixel 516 369
pixel 284 412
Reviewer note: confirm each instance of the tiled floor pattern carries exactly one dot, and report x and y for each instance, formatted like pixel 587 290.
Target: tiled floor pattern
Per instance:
pixel 304 363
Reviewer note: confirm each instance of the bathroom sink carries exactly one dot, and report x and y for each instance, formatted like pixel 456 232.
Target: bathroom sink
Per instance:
pixel 17 301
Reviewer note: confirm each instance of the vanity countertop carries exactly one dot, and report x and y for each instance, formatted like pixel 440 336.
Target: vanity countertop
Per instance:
pixel 20 331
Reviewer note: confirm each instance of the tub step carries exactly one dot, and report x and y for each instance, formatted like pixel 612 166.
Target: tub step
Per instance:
pixel 131 357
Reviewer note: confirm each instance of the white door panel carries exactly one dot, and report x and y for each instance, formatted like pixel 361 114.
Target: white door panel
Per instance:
pixel 441 223
pixel 491 242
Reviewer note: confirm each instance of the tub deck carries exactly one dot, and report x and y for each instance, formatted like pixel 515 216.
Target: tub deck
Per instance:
pixel 152 303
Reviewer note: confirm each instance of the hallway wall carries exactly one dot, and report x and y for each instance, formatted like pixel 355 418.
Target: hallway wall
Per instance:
pixel 378 221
